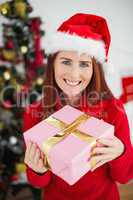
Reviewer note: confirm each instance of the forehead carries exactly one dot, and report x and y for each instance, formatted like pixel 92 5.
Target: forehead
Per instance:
pixel 73 55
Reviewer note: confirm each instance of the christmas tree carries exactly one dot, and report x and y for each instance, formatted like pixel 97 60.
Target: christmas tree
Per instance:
pixel 22 71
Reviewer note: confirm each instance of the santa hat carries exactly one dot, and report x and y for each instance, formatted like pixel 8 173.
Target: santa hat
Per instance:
pixel 83 32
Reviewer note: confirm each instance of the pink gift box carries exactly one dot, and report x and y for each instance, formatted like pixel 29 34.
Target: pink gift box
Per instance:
pixel 69 157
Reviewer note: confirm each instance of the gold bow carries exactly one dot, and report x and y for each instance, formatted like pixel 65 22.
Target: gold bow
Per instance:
pixel 66 129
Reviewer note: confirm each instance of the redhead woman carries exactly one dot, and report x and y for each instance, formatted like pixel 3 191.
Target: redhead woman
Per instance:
pixel 77 54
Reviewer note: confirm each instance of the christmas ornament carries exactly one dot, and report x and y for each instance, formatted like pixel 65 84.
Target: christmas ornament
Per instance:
pixel 9 55
pixel 7 75
pixel 39 81
pixel 20 9
pixel 24 49
pixel 5 9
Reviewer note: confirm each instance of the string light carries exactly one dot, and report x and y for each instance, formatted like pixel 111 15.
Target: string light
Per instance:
pixel 4 11
pixel 7 75
pixel 24 49
pixel 39 81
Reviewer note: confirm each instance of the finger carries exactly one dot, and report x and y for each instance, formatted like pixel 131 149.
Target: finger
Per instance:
pixel 99 144
pixel 99 158
pixel 41 166
pixel 103 150
pixel 42 155
pixel 27 151
pixel 28 146
pixel 99 164
pixel 36 157
pixel 107 142
pixel 40 163
pixel 32 151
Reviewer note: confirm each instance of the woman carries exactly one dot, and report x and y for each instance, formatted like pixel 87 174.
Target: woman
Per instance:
pixel 75 76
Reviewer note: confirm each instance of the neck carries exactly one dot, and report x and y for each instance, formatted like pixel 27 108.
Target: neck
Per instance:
pixel 73 101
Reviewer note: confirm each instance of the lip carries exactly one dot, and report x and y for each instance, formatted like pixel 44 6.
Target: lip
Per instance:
pixel 72 81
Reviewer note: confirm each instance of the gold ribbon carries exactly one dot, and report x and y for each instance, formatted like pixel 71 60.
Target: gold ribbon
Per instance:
pixel 66 129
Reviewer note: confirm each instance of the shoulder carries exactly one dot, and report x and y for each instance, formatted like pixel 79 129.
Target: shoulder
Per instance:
pixel 106 109
pixel 116 107
pixel 110 110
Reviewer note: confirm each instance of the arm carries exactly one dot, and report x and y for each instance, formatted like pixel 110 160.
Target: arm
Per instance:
pixel 35 179
pixel 121 168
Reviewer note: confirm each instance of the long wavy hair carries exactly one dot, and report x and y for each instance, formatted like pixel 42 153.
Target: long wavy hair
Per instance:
pixel 96 90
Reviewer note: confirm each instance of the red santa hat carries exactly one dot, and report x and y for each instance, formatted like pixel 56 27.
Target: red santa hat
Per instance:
pixel 85 33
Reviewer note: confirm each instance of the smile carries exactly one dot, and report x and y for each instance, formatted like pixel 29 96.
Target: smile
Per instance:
pixel 72 83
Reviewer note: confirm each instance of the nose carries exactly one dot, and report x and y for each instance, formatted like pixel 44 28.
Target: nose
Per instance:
pixel 75 72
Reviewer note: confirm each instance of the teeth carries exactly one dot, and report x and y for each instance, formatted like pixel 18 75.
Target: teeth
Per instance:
pixel 73 83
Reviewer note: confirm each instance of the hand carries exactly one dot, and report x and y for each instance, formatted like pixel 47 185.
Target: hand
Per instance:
pixel 112 149
pixel 34 158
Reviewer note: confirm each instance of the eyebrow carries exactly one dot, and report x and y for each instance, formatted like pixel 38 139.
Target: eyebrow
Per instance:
pixel 86 61
pixel 63 58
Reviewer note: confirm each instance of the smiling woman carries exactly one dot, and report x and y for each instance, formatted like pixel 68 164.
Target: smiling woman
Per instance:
pixel 75 76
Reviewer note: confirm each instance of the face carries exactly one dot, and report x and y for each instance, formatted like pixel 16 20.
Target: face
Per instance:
pixel 73 72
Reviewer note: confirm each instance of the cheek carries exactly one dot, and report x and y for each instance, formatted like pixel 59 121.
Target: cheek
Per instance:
pixel 58 75
pixel 60 72
pixel 87 76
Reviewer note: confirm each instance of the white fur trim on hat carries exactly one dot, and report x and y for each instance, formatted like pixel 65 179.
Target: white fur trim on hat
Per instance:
pixel 60 41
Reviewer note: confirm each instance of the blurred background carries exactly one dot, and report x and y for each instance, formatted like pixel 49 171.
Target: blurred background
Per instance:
pixel 23 25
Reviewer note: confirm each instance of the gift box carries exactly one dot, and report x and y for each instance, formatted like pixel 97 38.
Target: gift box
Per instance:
pixel 67 138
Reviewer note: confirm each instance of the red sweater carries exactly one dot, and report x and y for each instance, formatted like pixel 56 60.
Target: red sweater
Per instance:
pixel 101 183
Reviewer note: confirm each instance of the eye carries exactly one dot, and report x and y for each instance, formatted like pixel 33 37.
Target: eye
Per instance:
pixel 66 62
pixel 85 64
